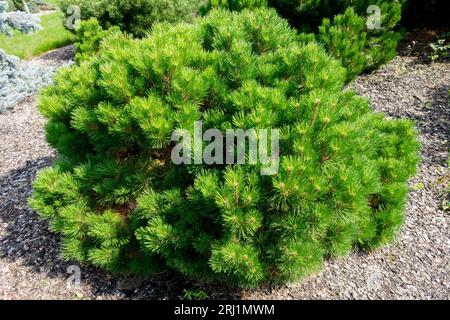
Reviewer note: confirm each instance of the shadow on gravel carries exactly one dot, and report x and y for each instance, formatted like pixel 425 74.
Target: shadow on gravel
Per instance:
pixel 59 55
pixel 439 113
pixel 27 238
pixel 434 122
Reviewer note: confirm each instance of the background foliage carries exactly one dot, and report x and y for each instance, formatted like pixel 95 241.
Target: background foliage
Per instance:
pixel 341 26
pixel 135 16
pixel 430 13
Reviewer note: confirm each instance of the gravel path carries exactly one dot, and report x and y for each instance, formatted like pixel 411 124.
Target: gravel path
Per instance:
pixel 416 266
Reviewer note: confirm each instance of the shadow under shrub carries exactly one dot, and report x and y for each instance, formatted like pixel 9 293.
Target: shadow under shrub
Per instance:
pixel 120 203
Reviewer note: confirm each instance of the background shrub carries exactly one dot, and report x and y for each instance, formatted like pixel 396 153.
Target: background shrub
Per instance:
pixel 135 16
pixel 347 38
pixel 120 203
pixel 308 14
pixel 20 81
pixel 340 25
pixel 88 38
pixel 234 5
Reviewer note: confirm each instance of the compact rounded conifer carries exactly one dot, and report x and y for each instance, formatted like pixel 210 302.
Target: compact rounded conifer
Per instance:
pixel 120 203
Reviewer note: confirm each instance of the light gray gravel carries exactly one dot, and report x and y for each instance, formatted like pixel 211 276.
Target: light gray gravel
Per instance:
pixel 416 266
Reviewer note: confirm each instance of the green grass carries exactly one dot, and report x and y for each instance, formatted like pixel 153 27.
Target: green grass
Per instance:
pixel 54 3
pixel 26 46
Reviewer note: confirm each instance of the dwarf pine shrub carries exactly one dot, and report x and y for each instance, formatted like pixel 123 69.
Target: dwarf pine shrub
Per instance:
pixel 134 16
pixel 120 202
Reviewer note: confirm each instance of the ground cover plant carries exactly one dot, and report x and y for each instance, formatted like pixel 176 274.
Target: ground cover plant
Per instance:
pixel 120 203
pixel 20 81
pixel 21 21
